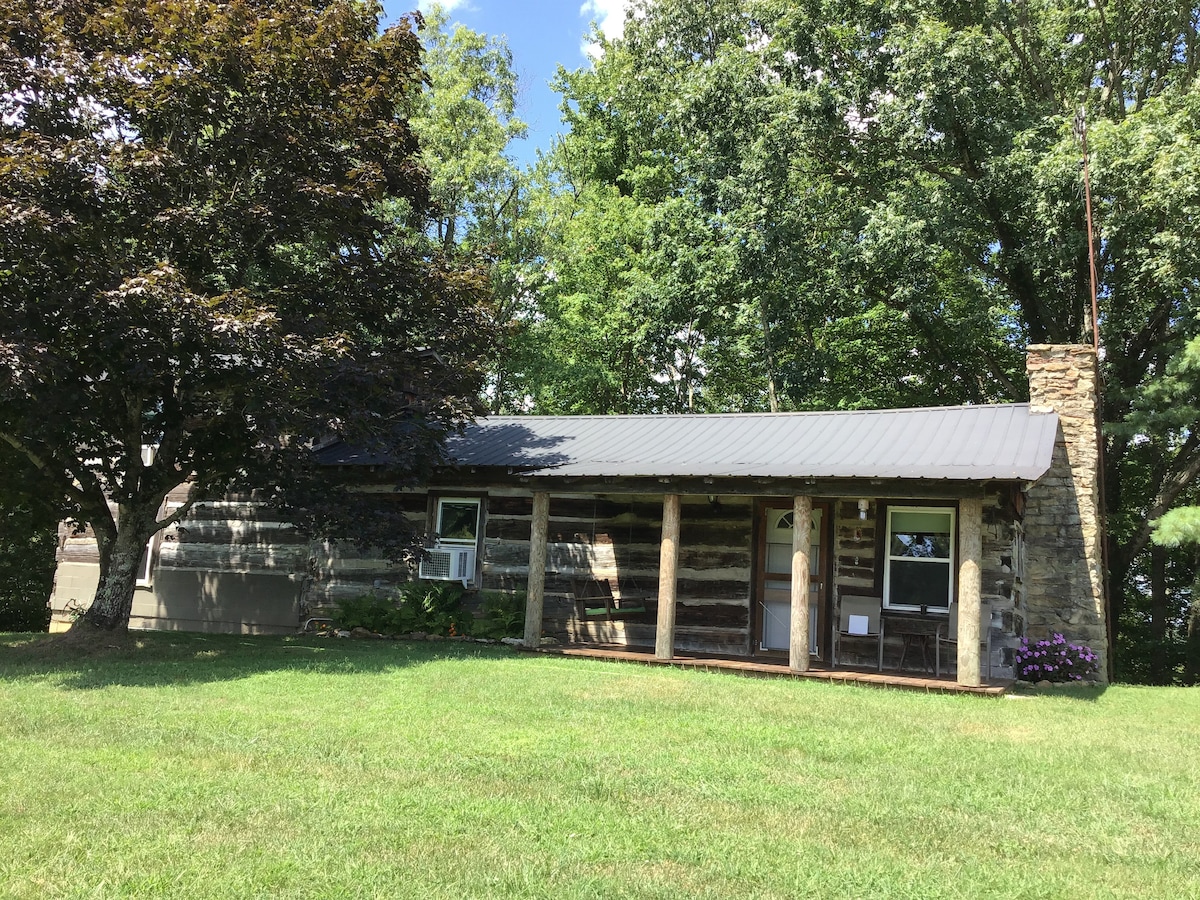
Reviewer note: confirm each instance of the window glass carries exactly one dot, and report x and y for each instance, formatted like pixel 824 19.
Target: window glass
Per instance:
pixel 458 521
pixel 779 544
pixel 914 584
pixel 920 546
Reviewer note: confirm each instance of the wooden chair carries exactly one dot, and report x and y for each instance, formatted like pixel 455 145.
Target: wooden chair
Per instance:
pixel 867 608
pixel 948 634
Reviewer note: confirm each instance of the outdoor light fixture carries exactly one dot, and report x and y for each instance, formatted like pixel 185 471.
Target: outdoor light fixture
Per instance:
pixel 863 506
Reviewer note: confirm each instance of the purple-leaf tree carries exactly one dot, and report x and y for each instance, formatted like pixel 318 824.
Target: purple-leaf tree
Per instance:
pixel 207 266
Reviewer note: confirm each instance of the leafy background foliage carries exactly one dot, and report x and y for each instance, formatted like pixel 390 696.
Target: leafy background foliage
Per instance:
pixel 28 539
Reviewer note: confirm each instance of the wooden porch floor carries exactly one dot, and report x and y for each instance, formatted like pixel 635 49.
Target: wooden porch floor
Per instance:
pixel 759 669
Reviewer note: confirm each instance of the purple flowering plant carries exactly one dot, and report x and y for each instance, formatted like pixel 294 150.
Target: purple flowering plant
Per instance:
pixel 1054 659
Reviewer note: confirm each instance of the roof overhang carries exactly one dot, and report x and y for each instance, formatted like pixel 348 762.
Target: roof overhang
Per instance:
pixel 961 444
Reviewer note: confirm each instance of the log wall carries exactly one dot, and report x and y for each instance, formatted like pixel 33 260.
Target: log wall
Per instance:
pixel 616 538
pixel 229 566
pixel 233 565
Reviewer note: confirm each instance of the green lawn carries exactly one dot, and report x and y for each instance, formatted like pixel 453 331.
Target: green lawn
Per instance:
pixel 193 766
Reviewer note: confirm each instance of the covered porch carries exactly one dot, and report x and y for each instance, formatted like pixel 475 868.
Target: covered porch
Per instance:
pixel 798 601
pixel 823 542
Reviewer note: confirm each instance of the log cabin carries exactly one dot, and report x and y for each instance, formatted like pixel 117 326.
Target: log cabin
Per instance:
pixel 874 539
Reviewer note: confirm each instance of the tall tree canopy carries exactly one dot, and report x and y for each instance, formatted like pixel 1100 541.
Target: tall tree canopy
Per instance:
pixel 466 122
pixel 770 204
pixel 205 249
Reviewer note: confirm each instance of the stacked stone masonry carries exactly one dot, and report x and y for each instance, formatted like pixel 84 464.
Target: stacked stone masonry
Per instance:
pixel 1063 516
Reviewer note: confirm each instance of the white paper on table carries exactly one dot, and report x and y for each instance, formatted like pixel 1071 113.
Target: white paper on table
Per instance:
pixel 858 625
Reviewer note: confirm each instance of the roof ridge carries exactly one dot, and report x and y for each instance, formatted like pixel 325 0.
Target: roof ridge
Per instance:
pixel 760 414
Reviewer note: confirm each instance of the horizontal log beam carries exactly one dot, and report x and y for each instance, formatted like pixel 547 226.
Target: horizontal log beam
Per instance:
pixel 782 488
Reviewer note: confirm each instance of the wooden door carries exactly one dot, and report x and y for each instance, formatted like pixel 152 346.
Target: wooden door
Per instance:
pixel 773 571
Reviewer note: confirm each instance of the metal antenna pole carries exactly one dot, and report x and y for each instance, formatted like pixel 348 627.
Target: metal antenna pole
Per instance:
pixel 1105 553
pixel 1081 133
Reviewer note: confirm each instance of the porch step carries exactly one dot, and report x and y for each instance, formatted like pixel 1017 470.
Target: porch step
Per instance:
pixel 757 669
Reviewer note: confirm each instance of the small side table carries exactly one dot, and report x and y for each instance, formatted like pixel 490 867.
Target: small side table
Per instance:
pixel 917 633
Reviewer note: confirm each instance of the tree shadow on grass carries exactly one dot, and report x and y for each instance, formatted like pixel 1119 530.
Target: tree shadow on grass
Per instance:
pixel 153 659
pixel 1089 692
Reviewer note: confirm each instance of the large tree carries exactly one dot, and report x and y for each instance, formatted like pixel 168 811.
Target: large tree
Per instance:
pixel 865 203
pixel 773 266
pixel 206 265
pixel 466 122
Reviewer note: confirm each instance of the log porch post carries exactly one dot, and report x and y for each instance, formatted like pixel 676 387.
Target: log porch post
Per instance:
pixel 664 633
pixel 799 639
pixel 970 551
pixel 536 593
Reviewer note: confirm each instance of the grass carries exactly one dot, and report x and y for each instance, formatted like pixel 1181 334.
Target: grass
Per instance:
pixel 191 766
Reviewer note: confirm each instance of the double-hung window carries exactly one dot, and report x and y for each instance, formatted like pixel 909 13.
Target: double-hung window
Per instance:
pixel 919 564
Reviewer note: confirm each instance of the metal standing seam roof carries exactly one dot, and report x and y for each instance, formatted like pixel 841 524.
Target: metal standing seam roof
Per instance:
pixel 965 443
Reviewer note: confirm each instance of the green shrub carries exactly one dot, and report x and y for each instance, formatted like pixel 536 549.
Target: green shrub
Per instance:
pixel 435 607
pixel 501 615
pixel 369 612
pixel 431 606
pixel 22 612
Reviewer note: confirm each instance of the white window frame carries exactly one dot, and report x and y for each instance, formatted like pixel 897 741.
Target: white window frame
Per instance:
pixel 776 529
pixel 145 567
pixel 440 541
pixel 946 561
pixel 145 571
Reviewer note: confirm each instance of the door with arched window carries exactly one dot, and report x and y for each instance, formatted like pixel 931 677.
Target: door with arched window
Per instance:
pixel 773 581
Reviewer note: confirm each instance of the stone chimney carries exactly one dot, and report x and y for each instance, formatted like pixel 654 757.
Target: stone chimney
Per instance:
pixel 1064 588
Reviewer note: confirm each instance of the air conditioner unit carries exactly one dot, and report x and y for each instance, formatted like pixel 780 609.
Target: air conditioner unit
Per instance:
pixel 448 564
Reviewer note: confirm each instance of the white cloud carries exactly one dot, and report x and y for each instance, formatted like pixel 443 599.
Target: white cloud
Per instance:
pixel 609 15
pixel 448 5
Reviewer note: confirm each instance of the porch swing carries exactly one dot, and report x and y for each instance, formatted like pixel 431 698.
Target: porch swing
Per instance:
pixel 595 597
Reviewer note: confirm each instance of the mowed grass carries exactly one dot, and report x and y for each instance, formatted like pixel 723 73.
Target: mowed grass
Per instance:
pixel 191 766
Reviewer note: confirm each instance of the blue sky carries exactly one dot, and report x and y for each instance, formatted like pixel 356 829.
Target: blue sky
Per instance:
pixel 541 34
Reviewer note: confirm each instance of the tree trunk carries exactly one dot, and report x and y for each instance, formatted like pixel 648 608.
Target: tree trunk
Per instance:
pixel 1118 560
pixel 114 594
pixel 1118 588
pixel 1159 654
pixel 768 355
pixel 1191 664
pixel 498 398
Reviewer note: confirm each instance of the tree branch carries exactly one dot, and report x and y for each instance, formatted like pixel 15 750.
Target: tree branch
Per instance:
pixel 193 496
pixel 1184 470
pixel 73 491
